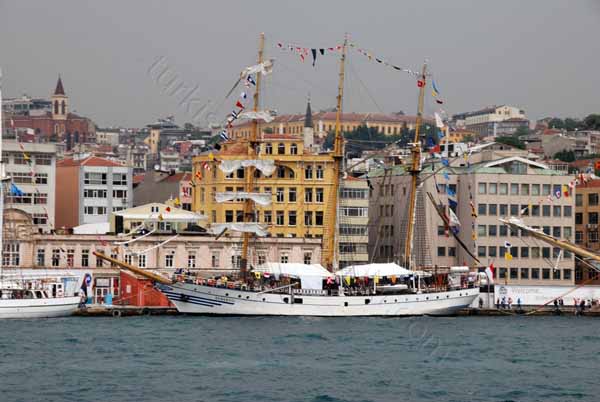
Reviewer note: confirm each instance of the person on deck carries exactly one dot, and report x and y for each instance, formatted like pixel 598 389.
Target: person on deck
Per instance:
pixel 518 303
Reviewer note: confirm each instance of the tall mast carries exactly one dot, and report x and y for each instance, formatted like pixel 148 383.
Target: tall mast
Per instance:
pixel 249 173
pixel 1 182
pixel 415 169
pixel 329 239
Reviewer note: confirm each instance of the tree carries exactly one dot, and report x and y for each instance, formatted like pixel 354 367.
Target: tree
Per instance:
pixel 592 122
pixel 565 156
pixel 513 141
pixel 572 124
pixel 556 123
pixel 521 131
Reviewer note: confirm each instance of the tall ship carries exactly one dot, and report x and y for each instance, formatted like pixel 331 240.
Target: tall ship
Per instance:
pixel 262 287
pixel 30 294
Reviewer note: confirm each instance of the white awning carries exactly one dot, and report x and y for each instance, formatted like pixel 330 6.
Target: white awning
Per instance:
pixel 248 227
pixel 311 276
pixel 262 199
pixel 371 270
pixel 266 166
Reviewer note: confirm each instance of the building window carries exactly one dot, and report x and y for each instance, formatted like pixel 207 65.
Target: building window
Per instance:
pixel 129 259
pixel 319 195
pixel 451 251
pixel 593 236
pixel 292 194
pixel 524 189
pixel 169 260
pixel 503 188
pixel 239 216
pixel 291 218
pixel 56 257
pixel 492 188
pixel 556 211
pixel 262 258
pixel 481 251
pixel 492 209
pixel 191 260
pixel 308 195
pixel 514 273
pixel 546 273
pixel 567 211
pixel 579 218
pixel 85 258
pixel 308 218
pixel 545 210
pixel 319 218
pixel 41 257
pixel 12 254
pixel 119 179
pixel 94 178
pixel 284 258
pixel 503 209
pixel 514 189
pixel 294 149
pixel 142 261
pixel 492 230
pixel 592 199
pixel 593 218
pixel 556 231
pixel 524 273
pixel 524 252
pixel 546 189
pixel 481 230
pixel 268 148
pixel 268 216
pixel 566 274
pixel 441 251
pixel 578 200
pixel 281 148
pixel 556 274
pixel 535 273
pixel 492 251
pixel 279 195
pixel 308 172
pixel 214 259
pixel 535 189
pixel 307 257
pixel 482 189
pixel 482 209
pixel 279 216
pixel 319 172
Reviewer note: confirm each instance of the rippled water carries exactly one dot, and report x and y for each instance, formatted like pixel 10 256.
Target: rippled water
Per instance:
pixel 300 359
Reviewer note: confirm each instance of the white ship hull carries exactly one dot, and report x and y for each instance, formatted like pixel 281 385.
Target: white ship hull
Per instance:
pixel 199 299
pixel 38 308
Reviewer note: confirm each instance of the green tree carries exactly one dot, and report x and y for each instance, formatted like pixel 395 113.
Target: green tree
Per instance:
pixel 565 156
pixel 513 141
pixel 572 124
pixel 556 123
pixel 521 131
pixel 592 122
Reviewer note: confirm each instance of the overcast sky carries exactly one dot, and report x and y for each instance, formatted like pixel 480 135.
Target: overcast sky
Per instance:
pixel 540 55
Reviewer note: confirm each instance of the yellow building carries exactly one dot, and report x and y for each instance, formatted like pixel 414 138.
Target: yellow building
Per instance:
pixel 300 186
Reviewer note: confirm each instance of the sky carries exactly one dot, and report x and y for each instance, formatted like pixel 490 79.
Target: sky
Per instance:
pixel 540 55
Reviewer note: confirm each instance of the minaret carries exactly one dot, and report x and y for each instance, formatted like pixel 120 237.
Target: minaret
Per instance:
pixel 309 132
pixel 60 102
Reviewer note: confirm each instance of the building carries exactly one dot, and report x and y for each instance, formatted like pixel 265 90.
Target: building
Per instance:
pixel 162 218
pixel 57 124
pixel 160 186
pixel 353 222
pixel 32 168
pixel 492 185
pixel 169 160
pixel 492 121
pixel 324 123
pixel 25 248
pixel 587 210
pixel 26 106
pixel 107 136
pixel 299 187
pixel 135 156
pixel 89 189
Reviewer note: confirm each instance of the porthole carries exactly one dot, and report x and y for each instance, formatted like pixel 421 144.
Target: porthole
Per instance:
pixel 247 297
pixel 395 300
pixel 226 294
pixel 239 295
pixel 427 298
pixel 263 299
pixel 367 301
pixel 345 304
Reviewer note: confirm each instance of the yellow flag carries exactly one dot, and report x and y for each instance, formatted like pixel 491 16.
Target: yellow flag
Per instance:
pixel 507 256
pixel 211 156
pixel 160 217
pixel 177 202
pixel 474 236
pixel 347 279
pixel 393 279
pixel 376 278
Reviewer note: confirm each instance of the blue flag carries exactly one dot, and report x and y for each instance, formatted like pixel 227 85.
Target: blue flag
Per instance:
pixel 446 176
pixel 445 162
pixel 14 190
pixel 453 204
pixel 451 193
pixel 440 134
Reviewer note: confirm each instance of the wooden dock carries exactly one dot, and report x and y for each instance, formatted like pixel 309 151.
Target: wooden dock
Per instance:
pixel 124 311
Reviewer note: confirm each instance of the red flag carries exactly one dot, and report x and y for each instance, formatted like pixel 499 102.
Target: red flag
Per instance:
pixel 239 104
pixel 420 83
pixel 168 209
pixel 489 271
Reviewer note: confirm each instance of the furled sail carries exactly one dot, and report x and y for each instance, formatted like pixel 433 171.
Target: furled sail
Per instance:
pixel 265 68
pixel 248 227
pixel 264 115
pixel 262 199
pixel 266 167
pixel 156 246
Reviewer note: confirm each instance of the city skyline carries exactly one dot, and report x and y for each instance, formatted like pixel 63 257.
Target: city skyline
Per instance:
pixel 499 59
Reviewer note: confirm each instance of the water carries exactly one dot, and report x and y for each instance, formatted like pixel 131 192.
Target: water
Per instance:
pixel 300 359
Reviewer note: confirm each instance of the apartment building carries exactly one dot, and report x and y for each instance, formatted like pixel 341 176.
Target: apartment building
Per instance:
pixel 89 189
pixel 487 187
pixel 32 168
pixel 353 219
pixel 587 210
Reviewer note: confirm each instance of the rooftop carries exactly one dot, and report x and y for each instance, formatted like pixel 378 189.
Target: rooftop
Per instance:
pixel 88 161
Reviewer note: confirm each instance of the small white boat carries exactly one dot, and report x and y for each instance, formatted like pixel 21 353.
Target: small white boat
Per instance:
pixel 18 302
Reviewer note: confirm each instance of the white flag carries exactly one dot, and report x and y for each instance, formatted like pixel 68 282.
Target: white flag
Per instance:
pixel 265 68
pixel 438 120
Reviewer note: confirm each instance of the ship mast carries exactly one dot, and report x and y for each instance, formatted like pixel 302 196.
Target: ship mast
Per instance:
pixel 329 239
pixel 249 173
pixel 415 169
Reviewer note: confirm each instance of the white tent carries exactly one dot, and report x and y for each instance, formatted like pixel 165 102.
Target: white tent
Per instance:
pixel 311 276
pixel 371 270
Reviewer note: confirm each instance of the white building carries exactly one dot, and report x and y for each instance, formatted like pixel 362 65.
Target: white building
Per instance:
pixel 493 121
pixel 32 168
pixel 89 189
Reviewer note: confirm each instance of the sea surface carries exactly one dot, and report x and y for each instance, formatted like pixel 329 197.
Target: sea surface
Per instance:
pixel 178 358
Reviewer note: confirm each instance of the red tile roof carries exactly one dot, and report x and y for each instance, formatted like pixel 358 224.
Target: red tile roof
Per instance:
pixel 89 161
